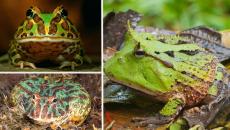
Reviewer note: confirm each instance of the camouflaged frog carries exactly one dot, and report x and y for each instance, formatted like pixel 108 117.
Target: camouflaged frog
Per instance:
pixel 54 101
pixel 46 37
pixel 190 80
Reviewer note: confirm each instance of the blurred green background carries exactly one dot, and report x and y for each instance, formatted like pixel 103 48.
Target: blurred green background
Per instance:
pixel 176 14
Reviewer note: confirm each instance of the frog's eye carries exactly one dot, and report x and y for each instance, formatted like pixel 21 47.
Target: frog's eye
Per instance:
pixel 33 96
pixel 138 52
pixel 54 100
pixel 29 13
pixel 64 13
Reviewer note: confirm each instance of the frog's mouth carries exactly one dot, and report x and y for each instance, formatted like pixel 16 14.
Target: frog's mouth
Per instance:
pixel 47 39
pixel 158 95
pixel 46 121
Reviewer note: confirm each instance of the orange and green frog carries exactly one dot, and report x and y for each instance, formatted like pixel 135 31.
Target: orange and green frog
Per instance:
pixel 46 37
pixel 57 101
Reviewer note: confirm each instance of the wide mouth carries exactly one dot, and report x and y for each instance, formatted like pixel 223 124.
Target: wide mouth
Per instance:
pixel 45 121
pixel 47 39
pixel 135 86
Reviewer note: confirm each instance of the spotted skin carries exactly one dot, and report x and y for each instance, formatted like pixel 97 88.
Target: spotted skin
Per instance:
pixel 48 101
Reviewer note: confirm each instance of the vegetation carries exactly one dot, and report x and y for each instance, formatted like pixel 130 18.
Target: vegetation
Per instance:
pixel 176 14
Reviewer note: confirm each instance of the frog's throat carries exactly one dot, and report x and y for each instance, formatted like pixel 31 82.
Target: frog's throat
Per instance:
pixel 156 93
pixel 47 39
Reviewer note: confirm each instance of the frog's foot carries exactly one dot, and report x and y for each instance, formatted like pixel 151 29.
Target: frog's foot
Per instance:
pixel 24 64
pixel 71 64
pixel 196 115
pixel 171 109
pixel 204 114
pixel 199 115
pixel 152 122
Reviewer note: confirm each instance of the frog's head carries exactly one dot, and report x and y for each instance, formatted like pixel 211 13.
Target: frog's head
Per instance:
pixel 42 110
pixel 52 27
pixel 149 65
pixel 132 66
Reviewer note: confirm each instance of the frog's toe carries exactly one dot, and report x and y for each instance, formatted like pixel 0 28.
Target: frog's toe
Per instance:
pixel 24 64
pixel 71 64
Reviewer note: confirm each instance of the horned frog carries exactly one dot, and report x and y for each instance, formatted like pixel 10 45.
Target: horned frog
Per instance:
pixel 46 37
pixel 189 80
pixel 57 101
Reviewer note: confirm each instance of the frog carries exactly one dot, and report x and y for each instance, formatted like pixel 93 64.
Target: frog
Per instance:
pixel 188 79
pixel 46 37
pixel 56 101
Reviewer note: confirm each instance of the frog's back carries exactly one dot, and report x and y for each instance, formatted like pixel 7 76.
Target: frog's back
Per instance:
pixel 47 101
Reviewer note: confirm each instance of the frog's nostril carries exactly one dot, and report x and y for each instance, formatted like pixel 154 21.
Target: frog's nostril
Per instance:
pixel 24 35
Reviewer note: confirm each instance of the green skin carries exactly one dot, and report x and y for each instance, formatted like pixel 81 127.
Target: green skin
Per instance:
pixel 46 36
pixel 52 101
pixel 182 75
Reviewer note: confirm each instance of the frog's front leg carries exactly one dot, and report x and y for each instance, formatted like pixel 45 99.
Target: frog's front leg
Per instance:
pixel 75 63
pixel 171 109
pixel 72 56
pixel 16 58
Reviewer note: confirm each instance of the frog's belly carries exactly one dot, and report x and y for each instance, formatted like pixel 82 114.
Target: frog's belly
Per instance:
pixel 41 51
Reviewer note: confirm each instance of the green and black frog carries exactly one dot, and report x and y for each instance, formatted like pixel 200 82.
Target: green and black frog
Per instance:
pixel 190 80
pixel 46 37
